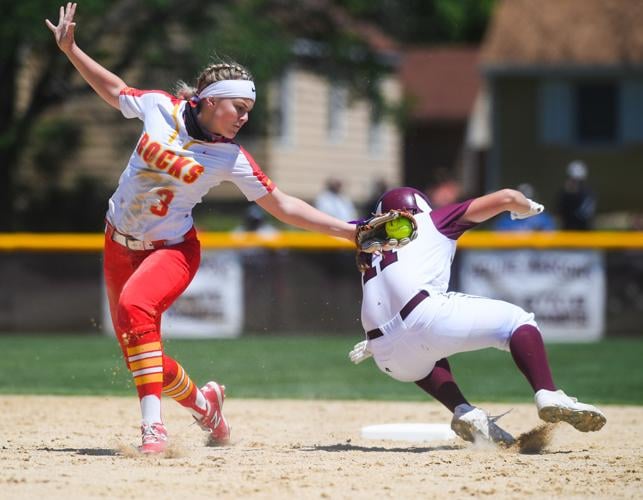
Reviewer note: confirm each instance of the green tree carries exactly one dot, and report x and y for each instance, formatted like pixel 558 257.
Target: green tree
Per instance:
pixel 169 38
pixel 426 21
pixel 28 44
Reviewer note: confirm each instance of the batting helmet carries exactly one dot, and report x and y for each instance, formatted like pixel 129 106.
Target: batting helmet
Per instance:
pixel 403 198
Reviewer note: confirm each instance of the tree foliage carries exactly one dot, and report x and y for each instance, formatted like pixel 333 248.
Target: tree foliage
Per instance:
pixel 426 21
pixel 174 39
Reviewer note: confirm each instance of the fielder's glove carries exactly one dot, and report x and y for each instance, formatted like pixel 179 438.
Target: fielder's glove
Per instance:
pixel 534 209
pixel 360 352
pixel 371 234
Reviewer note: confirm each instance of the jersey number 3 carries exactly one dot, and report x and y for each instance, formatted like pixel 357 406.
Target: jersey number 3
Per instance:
pixel 163 205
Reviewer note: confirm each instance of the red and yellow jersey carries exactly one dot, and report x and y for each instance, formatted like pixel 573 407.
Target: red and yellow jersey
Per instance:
pixel 169 171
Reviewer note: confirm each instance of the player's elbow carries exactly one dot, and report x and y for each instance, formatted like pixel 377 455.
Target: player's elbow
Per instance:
pixel 111 93
pixel 509 197
pixel 288 208
pixel 280 205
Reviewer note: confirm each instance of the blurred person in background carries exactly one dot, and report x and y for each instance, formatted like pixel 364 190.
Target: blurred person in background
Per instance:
pixel 444 189
pixel 576 201
pixel 151 250
pixel 333 201
pixel 413 324
pixel 254 221
pixel 379 186
pixel 541 222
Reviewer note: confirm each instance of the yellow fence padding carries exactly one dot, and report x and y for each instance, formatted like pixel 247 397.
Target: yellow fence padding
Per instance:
pixel 85 242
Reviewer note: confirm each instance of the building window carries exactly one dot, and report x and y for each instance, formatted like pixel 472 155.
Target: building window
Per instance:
pixel 337 102
pixel 284 112
pixel 375 129
pixel 589 113
pixel 556 112
pixel 597 112
pixel 631 111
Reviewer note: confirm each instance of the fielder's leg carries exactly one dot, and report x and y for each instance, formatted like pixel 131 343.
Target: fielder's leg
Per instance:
pixel 141 347
pixel 141 286
pixel 204 404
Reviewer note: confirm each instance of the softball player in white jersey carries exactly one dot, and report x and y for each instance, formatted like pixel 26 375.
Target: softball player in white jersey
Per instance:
pixel 151 247
pixel 413 324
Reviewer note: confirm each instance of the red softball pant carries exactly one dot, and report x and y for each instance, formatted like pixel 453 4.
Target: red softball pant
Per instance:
pixel 142 284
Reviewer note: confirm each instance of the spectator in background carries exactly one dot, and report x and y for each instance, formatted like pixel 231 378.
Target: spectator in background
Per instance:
pixel 540 222
pixel 577 202
pixel 444 189
pixel 379 187
pixel 254 220
pixel 333 202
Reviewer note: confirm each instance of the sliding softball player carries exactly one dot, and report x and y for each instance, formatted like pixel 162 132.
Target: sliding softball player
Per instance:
pixel 413 324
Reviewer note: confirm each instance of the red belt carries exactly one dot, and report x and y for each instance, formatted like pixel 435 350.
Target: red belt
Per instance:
pixel 134 244
pixel 404 312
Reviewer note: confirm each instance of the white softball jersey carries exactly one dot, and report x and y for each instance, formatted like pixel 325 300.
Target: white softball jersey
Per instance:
pixel 169 171
pixel 443 324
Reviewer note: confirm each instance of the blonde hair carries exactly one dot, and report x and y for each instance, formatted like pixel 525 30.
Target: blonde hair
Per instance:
pixel 213 73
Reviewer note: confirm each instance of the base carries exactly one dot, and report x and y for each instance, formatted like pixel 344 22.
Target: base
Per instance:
pixel 409 432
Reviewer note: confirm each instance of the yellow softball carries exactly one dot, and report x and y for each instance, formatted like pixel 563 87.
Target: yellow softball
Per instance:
pixel 399 228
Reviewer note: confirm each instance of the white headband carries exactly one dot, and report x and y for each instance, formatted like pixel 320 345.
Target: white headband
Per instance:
pixel 230 89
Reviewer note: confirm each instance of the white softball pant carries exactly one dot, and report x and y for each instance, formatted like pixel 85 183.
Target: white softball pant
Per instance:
pixel 440 326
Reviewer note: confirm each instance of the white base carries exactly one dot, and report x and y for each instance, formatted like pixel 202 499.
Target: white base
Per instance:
pixel 409 432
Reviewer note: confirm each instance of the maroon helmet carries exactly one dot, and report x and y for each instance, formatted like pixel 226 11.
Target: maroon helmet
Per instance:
pixel 403 198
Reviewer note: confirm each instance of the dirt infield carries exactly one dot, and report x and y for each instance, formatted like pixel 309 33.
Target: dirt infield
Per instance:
pixel 82 447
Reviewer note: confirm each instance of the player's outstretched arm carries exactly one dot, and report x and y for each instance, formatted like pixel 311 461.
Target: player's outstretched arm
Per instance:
pixel 487 206
pixel 106 84
pixel 298 213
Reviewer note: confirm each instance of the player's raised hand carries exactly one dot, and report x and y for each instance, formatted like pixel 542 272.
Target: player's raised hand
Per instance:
pixel 64 30
pixel 534 209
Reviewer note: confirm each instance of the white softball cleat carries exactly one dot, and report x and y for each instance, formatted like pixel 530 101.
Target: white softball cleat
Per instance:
pixel 473 424
pixel 556 406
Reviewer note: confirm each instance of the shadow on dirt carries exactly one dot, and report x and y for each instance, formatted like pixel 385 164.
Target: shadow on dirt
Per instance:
pixel 333 448
pixel 96 452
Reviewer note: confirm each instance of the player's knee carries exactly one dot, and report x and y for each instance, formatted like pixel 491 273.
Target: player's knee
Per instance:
pixel 526 318
pixel 522 317
pixel 134 316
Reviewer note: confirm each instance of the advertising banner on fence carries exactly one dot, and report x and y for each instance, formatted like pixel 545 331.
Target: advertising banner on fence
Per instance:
pixel 211 307
pixel 564 289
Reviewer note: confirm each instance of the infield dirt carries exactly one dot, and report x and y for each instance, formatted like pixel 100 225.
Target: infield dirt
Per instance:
pixel 84 447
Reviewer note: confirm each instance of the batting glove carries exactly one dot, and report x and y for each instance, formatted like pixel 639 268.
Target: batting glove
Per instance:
pixel 534 209
pixel 360 352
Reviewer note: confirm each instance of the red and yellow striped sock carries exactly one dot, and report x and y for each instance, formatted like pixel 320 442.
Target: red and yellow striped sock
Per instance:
pixel 179 386
pixel 145 361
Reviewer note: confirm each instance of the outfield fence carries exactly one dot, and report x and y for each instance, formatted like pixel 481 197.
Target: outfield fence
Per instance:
pixel 84 242
pixel 591 283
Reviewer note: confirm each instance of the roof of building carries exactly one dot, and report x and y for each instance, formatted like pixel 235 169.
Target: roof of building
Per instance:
pixel 567 32
pixel 441 82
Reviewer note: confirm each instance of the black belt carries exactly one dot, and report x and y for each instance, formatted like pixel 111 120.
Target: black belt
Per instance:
pixel 404 312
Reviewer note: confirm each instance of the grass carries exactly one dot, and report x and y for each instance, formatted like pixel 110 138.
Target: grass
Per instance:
pixel 310 367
